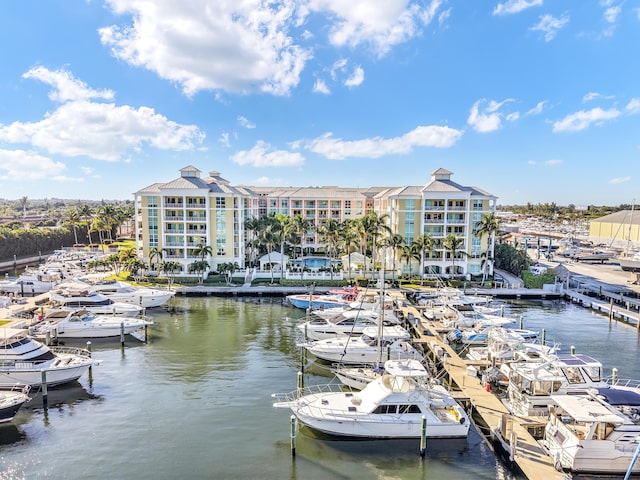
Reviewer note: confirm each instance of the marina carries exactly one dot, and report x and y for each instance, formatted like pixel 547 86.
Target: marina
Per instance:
pixel 199 393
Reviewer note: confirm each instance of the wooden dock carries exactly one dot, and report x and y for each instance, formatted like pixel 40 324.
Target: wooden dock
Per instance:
pixel 529 457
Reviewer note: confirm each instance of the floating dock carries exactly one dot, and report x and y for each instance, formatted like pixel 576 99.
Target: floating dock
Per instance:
pixel 524 450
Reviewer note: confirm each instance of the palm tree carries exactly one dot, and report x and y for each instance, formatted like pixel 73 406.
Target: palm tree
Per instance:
pixel 330 232
pixel 452 244
pixel 155 253
pixel 107 215
pixel 301 227
pixel 408 253
pixel 169 268
pixel 72 218
pixel 202 250
pixel 374 226
pixel 282 229
pixel 487 225
pixel 252 226
pixel 394 242
pixel 349 237
pixel 136 267
pixel 268 238
pixel 86 213
pixel 97 225
pixel 425 243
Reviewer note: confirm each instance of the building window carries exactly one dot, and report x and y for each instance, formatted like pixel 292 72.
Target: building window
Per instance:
pixel 220 202
pixel 221 233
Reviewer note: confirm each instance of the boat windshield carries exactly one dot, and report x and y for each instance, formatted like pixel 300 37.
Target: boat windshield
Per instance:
pixel 573 375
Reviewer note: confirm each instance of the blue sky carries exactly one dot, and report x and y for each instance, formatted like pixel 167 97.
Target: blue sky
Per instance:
pixel 532 100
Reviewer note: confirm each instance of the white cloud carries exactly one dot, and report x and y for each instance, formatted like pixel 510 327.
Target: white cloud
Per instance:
pixel 212 44
pixel 550 25
pixel 224 139
pixel 422 136
pixel 264 181
pixel 100 130
pixel 245 123
pixel 380 25
pixel 515 6
pixel 356 78
pixel 536 110
pixel 444 16
pixel 27 165
pixel 86 170
pixel 633 106
pixel 262 155
pixel 512 117
pixel 321 87
pixel 616 181
pixel 594 96
pixel 546 163
pixel 489 118
pixel 611 14
pixel 65 87
pixel 584 119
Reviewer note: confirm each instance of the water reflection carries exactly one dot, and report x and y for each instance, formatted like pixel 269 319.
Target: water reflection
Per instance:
pixel 63 398
pixel 10 433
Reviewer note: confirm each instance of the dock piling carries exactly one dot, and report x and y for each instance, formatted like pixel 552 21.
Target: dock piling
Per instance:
pixel 423 437
pixel 45 394
pixel 293 435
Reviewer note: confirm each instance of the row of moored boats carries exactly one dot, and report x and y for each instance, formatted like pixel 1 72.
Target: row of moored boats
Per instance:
pixel 585 422
pixel 78 307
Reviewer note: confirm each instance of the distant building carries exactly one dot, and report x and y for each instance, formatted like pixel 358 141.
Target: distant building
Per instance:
pixel 620 229
pixel 177 216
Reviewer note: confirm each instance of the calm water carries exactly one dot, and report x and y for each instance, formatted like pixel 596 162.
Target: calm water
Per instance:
pixel 194 402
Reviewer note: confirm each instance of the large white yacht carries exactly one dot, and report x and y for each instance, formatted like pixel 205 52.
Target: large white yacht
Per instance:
pixel 83 324
pixel 72 296
pixel 23 361
pixel 392 406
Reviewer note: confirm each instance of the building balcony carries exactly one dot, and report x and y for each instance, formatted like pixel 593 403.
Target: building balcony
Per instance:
pixel 173 232
pixel 173 244
pixel 433 208
pixel 174 205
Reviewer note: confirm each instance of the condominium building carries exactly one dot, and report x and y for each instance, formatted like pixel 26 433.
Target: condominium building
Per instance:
pixel 177 216
pixel 439 208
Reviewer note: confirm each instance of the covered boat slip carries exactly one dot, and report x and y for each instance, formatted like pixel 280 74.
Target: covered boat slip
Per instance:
pixel 529 456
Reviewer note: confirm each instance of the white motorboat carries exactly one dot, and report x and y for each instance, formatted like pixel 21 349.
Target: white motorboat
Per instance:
pixel 84 324
pixel 358 377
pixel 535 377
pixel 305 301
pixel 630 263
pixel 587 435
pixel 480 336
pixel 11 401
pixel 125 292
pixel 73 296
pixel 31 283
pixel 350 322
pixel 23 360
pixel 371 347
pixel 503 345
pixel 392 406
